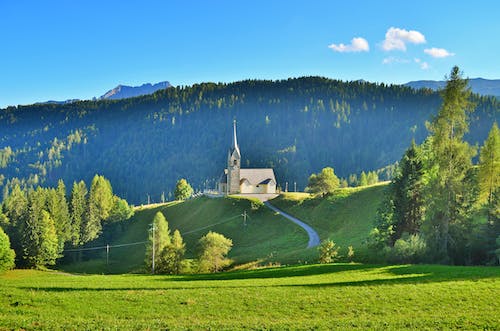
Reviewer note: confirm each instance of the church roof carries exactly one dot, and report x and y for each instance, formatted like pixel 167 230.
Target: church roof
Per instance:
pixel 257 176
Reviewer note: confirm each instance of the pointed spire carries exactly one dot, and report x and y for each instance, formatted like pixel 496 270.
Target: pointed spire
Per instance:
pixel 234 146
pixel 235 140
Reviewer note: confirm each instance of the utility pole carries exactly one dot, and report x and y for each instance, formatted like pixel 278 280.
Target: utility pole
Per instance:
pixel 244 218
pixel 107 254
pixel 153 262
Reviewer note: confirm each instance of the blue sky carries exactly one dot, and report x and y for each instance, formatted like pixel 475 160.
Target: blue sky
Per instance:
pixel 58 50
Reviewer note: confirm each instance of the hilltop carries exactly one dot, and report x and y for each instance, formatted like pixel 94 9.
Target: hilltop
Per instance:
pixel 295 126
pixel 346 217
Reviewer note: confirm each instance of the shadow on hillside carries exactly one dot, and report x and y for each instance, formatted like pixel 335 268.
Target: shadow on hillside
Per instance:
pixel 279 272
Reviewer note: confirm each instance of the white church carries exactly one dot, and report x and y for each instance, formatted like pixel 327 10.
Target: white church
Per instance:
pixel 236 180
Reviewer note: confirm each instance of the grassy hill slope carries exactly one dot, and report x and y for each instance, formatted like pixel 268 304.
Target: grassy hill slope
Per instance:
pixel 266 236
pixel 338 296
pixel 345 217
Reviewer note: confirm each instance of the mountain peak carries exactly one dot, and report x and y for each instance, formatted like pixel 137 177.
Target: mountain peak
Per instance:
pixel 124 91
pixel 478 85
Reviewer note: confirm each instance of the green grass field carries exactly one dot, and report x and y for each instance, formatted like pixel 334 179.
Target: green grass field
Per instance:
pixel 346 217
pixel 338 296
pixel 266 236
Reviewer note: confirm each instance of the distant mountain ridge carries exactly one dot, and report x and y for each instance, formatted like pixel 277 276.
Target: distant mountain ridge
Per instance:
pixel 124 91
pixel 478 85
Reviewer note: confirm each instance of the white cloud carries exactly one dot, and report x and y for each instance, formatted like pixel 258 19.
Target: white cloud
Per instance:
pixel 396 39
pixel 393 59
pixel 438 52
pixel 424 66
pixel 357 45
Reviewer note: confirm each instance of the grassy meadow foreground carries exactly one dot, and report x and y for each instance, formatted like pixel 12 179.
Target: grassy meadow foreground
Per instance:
pixel 337 296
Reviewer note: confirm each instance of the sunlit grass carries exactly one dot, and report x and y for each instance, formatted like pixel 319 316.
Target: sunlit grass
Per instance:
pixel 338 296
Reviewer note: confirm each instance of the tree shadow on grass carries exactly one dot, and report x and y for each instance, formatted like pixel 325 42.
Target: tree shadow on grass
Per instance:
pixel 387 275
pixel 278 272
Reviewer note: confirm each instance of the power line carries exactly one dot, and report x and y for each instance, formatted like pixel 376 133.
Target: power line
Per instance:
pixel 143 242
pixel 103 247
pixel 210 225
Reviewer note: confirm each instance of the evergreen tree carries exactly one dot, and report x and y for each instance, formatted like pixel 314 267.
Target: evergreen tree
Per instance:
pixel 16 209
pixel 452 158
pixel 159 238
pixel 39 238
pixel 57 207
pixel 7 254
pixel 372 178
pixel 214 249
pixel 489 190
pixel 363 179
pixel 99 205
pixel 489 170
pixel 78 206
pixel 407 190
pixel 183 190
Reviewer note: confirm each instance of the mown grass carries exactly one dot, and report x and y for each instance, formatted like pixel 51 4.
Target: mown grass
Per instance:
pixel 346 217
pixel 266 236
pixel 338 296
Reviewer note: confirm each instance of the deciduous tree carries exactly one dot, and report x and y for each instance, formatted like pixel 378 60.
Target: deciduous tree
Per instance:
pixel 183 190
pixel 214 249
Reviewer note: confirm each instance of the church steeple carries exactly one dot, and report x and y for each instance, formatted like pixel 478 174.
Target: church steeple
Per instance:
pixel 233 165
pixel 234 146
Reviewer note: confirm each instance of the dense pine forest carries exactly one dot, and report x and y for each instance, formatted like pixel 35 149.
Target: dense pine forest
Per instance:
pixel 143 145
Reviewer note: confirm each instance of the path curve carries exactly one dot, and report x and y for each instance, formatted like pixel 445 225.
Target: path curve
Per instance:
pixel 313 235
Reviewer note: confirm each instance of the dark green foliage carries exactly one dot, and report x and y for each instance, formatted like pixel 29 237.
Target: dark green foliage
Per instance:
pixel 452 159
pixel 36 218
pixel 185 131
pixel 40 242
pixel 78 206
pixel 434 197
pixel 183 190
pixel 324 182
pixel 408 196
pixel 408 249
pixel 7 254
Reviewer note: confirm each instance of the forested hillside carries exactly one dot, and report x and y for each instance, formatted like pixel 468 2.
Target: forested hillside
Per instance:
pixel 144 144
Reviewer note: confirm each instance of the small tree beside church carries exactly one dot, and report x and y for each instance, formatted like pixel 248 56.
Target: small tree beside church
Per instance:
pixel 183 190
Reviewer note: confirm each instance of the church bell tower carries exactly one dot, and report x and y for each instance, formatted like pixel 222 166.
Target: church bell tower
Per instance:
pixel 233 165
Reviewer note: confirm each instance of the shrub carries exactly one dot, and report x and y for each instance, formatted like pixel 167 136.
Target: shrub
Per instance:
pixel 7 254
pixel 408 249
pixel 328 251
